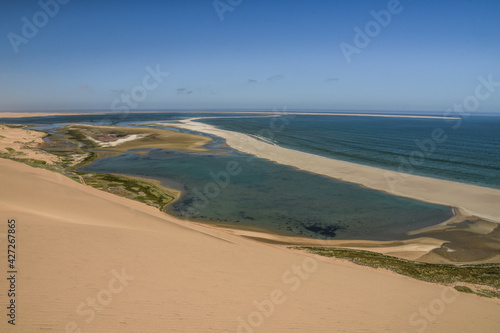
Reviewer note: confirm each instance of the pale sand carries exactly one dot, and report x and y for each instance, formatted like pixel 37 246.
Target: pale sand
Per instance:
pixel 411 249
pixel 189 277
pixel 478 227
pixel 117 141
pixel 472 200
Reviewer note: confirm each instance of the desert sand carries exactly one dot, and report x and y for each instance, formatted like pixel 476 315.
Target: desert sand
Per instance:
pixel 472 200
pixel 91 261
pixel 21 143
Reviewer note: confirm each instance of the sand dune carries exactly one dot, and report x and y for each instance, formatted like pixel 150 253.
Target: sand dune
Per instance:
pixel 148 272
pixel 21 143
pixel 471 199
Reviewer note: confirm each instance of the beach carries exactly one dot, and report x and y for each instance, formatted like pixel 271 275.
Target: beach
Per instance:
pixel 151 272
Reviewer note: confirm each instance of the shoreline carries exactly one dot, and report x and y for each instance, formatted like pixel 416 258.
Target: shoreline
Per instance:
pixel 472 200
pixel 421 245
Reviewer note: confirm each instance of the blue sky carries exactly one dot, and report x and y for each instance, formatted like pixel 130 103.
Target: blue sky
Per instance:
pixel 264 54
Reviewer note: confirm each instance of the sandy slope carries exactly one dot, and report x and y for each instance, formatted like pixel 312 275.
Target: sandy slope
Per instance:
pixel 473 200
pixel 177 276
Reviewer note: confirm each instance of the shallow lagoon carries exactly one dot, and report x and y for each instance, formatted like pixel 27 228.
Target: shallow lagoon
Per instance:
pixel 240 190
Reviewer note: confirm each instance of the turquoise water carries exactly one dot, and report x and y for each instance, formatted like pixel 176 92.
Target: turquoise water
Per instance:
pixel 244 191
pixel 468 150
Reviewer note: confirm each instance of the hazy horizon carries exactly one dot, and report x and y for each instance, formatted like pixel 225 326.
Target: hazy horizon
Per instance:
pixel 240 110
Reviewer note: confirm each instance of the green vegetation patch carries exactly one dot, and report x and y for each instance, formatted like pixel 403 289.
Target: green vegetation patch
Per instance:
pixel 131 188
pixel 13 152
pixel 92 156
pixel 79 137
pixel 32 161
pixel 74 149
pixel 29 161
pixel 479 275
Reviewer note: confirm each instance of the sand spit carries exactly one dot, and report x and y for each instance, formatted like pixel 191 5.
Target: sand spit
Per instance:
pixel 471 199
